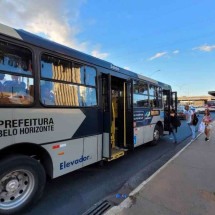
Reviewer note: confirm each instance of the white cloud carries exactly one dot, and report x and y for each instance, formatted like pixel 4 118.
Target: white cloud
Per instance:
pixel 98 54
pixel 175 52
pixel 158 55
pixel 55 20
pixel 126 67
pixel 205 48
pixel 49 18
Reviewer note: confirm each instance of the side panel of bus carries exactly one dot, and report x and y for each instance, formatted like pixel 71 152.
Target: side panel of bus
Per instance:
pixel 70 155
pixel 145 124
pixel 54 130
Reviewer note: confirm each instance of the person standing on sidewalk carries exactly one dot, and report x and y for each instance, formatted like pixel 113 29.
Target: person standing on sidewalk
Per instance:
pixel 189 119
pixel 207 119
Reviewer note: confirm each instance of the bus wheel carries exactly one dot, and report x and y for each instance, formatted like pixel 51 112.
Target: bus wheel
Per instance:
pixel 22 180
pixel 156 135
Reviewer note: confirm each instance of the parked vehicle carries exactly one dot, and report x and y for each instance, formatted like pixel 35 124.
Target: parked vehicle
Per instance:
pixel 200 110
pixel 180 112
pixel 210 105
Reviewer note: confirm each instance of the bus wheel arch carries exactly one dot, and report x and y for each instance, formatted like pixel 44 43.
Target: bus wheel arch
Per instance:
pixel 32 150
pixel 22 180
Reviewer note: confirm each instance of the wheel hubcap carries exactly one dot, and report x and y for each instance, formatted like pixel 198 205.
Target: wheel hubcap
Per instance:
pixel 156 134
pixel 15 188
pixel 12 185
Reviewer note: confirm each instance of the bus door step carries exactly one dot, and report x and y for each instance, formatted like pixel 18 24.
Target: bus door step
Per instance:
pixel 116 153
pixel 122 149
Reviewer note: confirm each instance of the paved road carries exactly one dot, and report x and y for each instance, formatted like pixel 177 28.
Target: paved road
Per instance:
pixel 76 192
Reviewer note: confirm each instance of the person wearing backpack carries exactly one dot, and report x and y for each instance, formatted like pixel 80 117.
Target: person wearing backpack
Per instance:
pixel 195 119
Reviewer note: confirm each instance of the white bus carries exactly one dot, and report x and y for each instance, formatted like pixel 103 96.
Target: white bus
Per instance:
pixel 62 110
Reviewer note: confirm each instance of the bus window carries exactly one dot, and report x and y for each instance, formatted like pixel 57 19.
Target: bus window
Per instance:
pixel 70 90
pixel 155 96
pixel 153 102
pixel 152 90
pixel 140 100
pixel 16 90
pixel 140 96
pixel 15 69
pixel 15 59
pixel 62 94
pixel 46 93
pixel 58 94
pixel 56 68
pixel 78 74
pixel 143 88
pixel 159 92
pixel 90 76
pixel 87 96
pixel 135 87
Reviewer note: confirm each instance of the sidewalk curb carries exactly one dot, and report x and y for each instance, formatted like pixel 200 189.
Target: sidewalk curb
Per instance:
pixel 129 201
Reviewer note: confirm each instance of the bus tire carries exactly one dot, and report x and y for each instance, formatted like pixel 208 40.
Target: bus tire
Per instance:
pixel 156 135
pixel 22 181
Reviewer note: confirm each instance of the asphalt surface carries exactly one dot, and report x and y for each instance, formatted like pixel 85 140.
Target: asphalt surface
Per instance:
pixel 77 192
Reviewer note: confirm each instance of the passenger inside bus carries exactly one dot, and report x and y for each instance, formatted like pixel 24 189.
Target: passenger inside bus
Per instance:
pixel 47 97
pixel 13 91
pixel 14 85
pixel 1 83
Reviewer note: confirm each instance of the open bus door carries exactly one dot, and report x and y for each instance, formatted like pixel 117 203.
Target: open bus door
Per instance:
pixel 106 103
pixel 174 101
pixel 117 116
pixel 129 116
pixel 170 102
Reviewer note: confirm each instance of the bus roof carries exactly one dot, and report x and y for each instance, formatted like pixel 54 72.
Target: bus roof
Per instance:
pixel 56 47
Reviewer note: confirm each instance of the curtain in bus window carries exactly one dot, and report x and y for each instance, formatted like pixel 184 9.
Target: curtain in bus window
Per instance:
pixel 78 75
pixel 62 72
pixel 59 94
pixel 15 59
pixel 55 68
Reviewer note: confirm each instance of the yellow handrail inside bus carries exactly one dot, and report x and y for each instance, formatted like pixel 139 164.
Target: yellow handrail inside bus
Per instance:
pixel 113 126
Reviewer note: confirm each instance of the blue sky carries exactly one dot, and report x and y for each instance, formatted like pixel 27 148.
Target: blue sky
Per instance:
pixel 170 41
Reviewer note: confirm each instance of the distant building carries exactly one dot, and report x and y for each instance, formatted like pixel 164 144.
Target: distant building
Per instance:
pixel 196 100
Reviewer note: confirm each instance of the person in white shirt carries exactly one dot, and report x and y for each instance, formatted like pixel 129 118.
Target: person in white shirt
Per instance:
pixel 189 118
